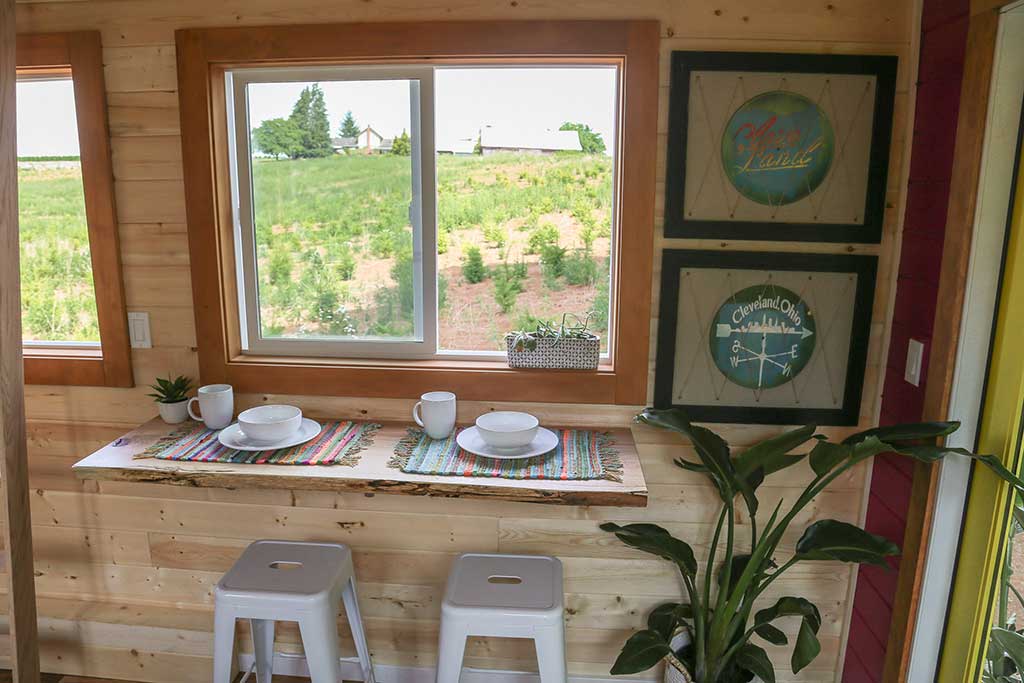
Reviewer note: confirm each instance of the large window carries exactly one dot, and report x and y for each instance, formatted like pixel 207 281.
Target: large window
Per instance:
pixel 373 207
pixel 421 211
pixel 74 322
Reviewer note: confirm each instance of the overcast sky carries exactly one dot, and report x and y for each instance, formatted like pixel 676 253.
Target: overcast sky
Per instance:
pixel 466 100
pixel 46 119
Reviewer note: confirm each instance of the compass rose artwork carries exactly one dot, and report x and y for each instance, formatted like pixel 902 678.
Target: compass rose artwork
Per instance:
pixel 762 336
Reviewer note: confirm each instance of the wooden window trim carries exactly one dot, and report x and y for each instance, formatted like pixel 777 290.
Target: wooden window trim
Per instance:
pixel 81 53
pixel 203 56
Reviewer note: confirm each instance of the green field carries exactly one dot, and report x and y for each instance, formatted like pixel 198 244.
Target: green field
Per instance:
pixel 57 298
pixel 334 246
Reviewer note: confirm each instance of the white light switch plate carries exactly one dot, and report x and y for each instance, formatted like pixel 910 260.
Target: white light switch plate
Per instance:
pixel 138 330
pixel 915 355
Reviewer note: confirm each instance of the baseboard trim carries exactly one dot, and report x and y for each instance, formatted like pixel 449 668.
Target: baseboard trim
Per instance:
pixel 295 665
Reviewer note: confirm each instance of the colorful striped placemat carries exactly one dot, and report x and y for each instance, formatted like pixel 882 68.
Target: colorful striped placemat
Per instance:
pixel 338 443
pixel 580 454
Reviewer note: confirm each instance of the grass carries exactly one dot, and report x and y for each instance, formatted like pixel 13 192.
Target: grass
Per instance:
pixel 57 297
pixel 334 243
pixel 334 246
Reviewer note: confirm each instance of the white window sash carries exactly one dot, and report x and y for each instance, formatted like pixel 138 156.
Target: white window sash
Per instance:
pixel 422 214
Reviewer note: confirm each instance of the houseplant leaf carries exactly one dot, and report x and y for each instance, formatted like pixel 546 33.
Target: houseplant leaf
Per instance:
pixel 665 619
pixel 896 434
pixel 711 448
pixel 1010 642
pixel 772 455
pixel 807 646
pixel 755 660
pixel 826 455
pixel 830 539
pixel 643 650
pixel 771 634
pixel 653 539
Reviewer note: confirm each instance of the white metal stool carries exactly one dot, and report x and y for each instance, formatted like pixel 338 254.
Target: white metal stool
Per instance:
pixel 289 581
pixel 512 596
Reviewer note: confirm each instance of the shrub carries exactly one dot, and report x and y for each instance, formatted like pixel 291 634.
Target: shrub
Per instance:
pixel 442 241
pixel 495 235
pixel 541 237
pixel 382 244
pixel 473 268
pixel 507 287
pixel 552 260
pixel 346 264
pixel 280 267
pixel 579 268
pixel 601 304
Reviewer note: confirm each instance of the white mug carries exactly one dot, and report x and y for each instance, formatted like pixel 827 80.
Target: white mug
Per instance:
pixel 435 412
pixel 217 405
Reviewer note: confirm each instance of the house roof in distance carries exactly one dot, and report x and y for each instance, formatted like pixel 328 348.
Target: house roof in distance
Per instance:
pixel 517 138
pixel 343 142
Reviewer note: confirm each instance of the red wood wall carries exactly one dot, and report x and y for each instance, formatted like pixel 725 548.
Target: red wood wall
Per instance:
pixel 943 41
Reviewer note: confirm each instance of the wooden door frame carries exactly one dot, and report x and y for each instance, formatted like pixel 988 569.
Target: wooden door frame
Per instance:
pixel 959 232
pixel 17 533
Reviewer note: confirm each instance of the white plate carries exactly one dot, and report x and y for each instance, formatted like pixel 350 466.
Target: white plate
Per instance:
pixel 470 440
pixel 232 437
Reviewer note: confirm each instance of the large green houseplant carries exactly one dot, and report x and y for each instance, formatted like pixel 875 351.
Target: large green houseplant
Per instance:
pixel 712 633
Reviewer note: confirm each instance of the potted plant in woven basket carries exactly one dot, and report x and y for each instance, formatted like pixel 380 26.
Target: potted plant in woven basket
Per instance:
pixel 171 397
pixel 715 634
pixel 567 346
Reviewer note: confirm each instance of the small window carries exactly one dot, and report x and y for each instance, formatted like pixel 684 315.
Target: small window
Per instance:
pixel 58 298
pixel 74 322
pixel 421 211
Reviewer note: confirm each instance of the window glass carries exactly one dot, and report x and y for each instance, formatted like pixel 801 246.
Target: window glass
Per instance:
pixel 57 295
pixel 524 199
pixel 332 189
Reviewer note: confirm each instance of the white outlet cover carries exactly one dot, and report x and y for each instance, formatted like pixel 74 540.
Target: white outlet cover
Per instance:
pixel 915 356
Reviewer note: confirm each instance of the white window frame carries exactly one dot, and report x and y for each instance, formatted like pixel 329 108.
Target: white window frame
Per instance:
pixel 423 212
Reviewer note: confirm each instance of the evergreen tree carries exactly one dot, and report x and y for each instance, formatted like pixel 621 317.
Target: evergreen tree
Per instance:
pixel 310 116
pixel 401 145
pixel 591 142
pixel 349 127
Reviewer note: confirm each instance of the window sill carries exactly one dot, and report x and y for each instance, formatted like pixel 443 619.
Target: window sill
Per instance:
pixel 70 367
pixel 375 378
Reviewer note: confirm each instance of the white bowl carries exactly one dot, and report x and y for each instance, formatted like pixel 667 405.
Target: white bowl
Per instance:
pixel 270 424
pixel 507 430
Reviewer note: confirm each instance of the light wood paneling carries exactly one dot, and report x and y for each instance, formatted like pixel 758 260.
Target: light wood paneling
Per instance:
pixel 17 537
pixel 127 566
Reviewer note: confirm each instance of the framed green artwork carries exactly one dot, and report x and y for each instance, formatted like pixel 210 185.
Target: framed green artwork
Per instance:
pixel 769 338
pixel 768 146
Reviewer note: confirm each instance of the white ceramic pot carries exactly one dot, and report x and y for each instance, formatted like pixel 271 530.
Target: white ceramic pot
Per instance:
pixel 675 672
pixel 174 413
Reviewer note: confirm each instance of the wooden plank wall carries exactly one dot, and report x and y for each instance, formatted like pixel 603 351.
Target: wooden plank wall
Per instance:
pixel 124 571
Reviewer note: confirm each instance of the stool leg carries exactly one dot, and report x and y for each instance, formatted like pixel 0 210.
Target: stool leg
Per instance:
pixel 319 630
pixel 263 648
pixel 550 645
pixel 450 651
pixel 223 645
pixel 355 621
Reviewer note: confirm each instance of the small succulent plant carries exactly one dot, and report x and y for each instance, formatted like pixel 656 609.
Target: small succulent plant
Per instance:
pixel 171 390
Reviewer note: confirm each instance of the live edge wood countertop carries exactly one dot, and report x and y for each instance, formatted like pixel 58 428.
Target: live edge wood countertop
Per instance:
pixel 116 462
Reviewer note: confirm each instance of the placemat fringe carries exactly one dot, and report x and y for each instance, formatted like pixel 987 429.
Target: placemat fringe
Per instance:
pixel 404 449
pixel 611 461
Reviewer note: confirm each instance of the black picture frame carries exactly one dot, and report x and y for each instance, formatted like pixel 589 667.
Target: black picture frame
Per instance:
pixel 674 260
pixel 882 67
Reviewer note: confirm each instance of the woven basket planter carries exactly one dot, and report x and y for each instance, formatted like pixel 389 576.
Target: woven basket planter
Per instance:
pixel 675 672
pixel 556 353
